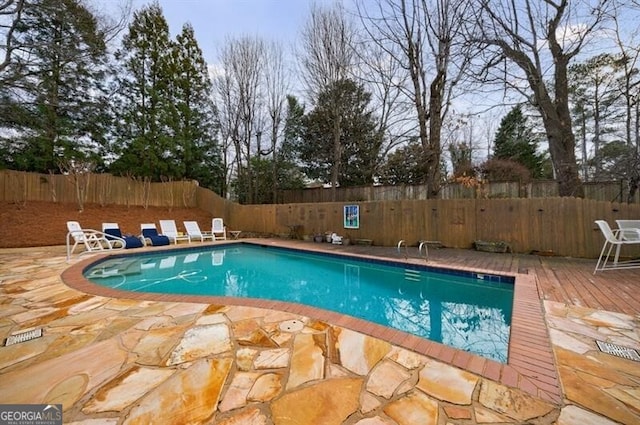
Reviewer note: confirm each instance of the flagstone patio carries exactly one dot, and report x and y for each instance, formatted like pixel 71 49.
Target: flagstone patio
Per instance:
pixel 111 360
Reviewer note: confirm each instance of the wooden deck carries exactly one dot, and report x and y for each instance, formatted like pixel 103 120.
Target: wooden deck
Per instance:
pixel 567 280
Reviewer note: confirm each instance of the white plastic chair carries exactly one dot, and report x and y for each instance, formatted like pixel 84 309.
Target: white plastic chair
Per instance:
pixel 169 229
pixel 114 234
pixel 92 240
pixel 194 232
pixel 218 230
pixel 613 238
pixel 151 236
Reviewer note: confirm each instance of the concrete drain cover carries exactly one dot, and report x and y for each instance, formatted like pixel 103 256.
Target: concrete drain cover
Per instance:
pixel 618 350
pixel 291 326
pixel 23 337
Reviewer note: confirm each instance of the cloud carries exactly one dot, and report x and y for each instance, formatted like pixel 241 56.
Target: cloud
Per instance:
pixel 215 70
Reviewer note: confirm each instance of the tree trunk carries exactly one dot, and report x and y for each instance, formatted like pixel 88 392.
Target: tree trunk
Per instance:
pixel 435 130
pixel 562 141
pixel 583 126
pixel 556 118
pixel 337 155
pixel 562 149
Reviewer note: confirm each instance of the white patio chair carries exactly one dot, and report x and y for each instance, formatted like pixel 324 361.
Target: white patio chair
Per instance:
pixel 113 232
pixel 218 230
pixel 613 238
pixel 169 229
pixel 151 236
pixel 194 232
pixel 629 229
pixel 92 240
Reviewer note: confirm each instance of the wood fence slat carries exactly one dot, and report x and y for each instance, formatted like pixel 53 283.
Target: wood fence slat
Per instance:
pixel 599 191
pixel 562 226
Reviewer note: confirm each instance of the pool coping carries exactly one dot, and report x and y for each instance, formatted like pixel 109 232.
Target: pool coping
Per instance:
pixel 530 366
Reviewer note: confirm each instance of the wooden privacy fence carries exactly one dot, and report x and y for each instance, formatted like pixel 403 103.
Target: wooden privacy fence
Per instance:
pixel 102 189
pixel 600 191
pixel 558 226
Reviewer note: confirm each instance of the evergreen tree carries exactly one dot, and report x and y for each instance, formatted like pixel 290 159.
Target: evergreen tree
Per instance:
pixel 514 141
pixel 55 106
pixel 357 154
pixel 461 160
pixel 194 124
pixel 288 177
pixel 288 173
pixel 143 141
pixel 594 92
pixel 405 165
pixel 293 130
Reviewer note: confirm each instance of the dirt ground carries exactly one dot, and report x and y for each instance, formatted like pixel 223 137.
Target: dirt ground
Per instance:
pixel 33 224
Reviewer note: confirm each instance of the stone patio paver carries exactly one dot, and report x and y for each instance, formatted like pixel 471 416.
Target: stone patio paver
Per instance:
pixel 116 361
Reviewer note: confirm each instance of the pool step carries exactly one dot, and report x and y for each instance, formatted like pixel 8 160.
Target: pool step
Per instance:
pixel 413 275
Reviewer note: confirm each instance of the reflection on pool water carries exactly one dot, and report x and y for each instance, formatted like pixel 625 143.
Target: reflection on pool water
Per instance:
pixel 467 311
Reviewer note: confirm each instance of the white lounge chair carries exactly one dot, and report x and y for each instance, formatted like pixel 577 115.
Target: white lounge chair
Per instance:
pixel 150 235
pixel 169 229
pixel 194 232
pixel 218 230
pixel 92 240
pixel 613 238
pixel 112 230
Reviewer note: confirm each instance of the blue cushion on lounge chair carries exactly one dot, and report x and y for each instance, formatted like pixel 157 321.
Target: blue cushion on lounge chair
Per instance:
pixel 154 237
pixel 130 241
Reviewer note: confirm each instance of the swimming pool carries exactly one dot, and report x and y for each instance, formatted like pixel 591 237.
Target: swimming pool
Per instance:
pixel 467 311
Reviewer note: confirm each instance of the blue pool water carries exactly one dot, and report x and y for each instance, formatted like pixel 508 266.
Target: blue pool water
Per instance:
pixel 466 311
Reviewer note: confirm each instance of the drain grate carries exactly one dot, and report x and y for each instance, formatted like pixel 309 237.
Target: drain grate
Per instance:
pixel 23 337
pixel 618 350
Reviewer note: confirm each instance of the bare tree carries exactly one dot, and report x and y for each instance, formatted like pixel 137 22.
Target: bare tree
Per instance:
pixel 326 55
pixel 385 79
pixel 541 39
pixel 277 87
pixel 10 16
pixel 240 98
pixel 425 38
pixel 228 116
pixel 630 83
pixel 79 173
pixel 326 58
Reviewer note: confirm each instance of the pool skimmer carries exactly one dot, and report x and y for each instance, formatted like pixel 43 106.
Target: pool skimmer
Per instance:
pixel 618 350
pixel 23 337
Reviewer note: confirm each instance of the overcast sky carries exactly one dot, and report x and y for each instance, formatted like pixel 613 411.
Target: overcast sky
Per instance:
pixel 215 20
